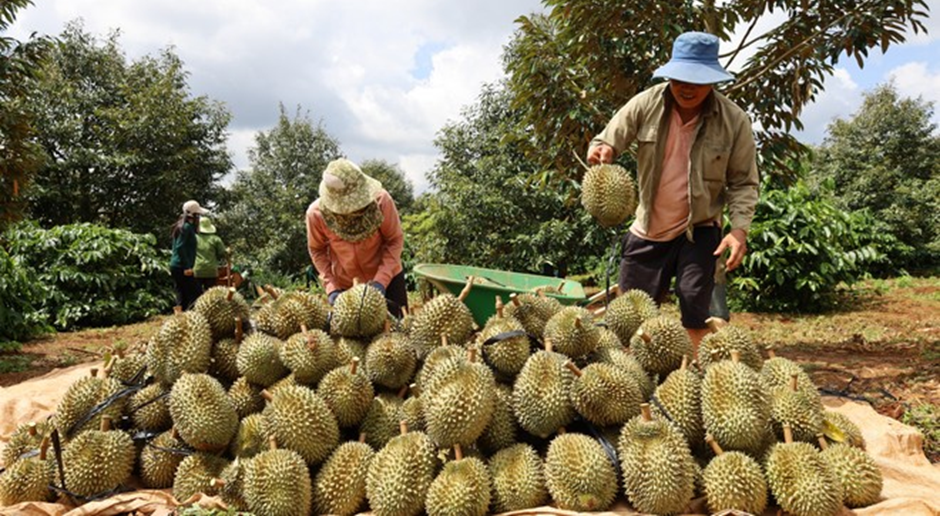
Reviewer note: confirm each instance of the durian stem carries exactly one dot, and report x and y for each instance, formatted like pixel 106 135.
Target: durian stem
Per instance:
pixel 794 382
pixel 259 290
pixel 574 369
pixel 403 391
pixel 239 330
pixel 217 483
pixel 514 298
pixel 177 310
pixel 272 442
pixel 266 394
pixel 105 423
pixel 771 353
pixel 312 343
pixel 356 281
pixel 388 326
pixel 403 427
pixel 31 429
pixel 175 433
pixel 823 443
pixel 303 329
pixel 270 290
pixel 644 335
pixel 685 362
pixel 43 448
pixel 466 289
pixel 645 412
pixel 735 356
pixel 362 437
pixel 458 452
pixel 561 431
pixel 404 311
pixel 93 371
pixel 577 323
pixel 714 444
pixel 548 345
pixel 413 389
pixel 471 354
pixel 443 340
pixel 787 433
pixel 499 307
pixel 231 294
pixel 354 365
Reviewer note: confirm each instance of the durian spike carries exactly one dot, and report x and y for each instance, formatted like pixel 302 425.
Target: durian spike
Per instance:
pixel 644 335
pixel 239 330
pixel 217 483
pixel 577 323
pixel 354 365
pixel 266 394
pixel 823 443
pixel 272 442
pixel 548 345
pixel 31 428
pixel 499 307
pixel 787 433
pixel 514 298
pixel 403 427
pixel 362 437
pixel 458 452
pixel 471 354
pixel 105 423
pixel 714 444
pixel 93 371
pixel 715 323
pixel 771 353
pixel 177 310
pixel 794 382
pixel 231 294
pixel 685 362
pixel 43 448
pixel 574 369
pixel 403 391
pixel 645 412
pixel 270 290
pixel 466 289
pixel 735 356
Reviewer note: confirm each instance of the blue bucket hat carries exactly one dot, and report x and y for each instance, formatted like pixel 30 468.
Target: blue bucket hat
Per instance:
pixel 694 60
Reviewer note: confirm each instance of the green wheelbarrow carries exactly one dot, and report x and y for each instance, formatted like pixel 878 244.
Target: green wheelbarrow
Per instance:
pixel 488 284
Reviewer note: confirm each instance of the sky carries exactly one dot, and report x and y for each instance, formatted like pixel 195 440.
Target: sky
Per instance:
pixel 383 77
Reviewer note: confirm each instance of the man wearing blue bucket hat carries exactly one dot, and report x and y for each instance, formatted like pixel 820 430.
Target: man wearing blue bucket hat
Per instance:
pixel 695 154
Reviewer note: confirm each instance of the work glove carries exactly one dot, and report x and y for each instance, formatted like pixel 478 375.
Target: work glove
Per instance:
pixel 377 286
pixel 333 295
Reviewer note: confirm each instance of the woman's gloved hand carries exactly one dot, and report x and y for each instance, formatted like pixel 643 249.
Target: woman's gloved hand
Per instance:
pixel 333 295
pixel 378 286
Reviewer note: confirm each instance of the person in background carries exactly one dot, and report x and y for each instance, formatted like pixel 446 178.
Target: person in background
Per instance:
pixel 354 232
pixel 210 254
pixel 695 155
pixel 184 254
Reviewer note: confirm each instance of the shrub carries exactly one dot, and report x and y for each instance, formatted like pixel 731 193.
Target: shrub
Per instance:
pixel 21 297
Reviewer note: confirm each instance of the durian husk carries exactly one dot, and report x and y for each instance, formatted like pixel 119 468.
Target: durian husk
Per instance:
pixel 579 474
pixel 518 478
pixel 340 485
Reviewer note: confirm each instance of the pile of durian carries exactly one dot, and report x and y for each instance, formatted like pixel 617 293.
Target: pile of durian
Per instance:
pixel 292 407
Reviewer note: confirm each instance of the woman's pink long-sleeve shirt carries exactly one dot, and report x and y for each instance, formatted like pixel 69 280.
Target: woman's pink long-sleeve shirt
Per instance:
pixel 376 258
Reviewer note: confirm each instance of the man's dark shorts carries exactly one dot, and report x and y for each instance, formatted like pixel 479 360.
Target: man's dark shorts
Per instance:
pixel 650 266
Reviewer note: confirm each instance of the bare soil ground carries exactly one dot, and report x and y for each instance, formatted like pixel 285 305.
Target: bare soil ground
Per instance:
pixel 882 347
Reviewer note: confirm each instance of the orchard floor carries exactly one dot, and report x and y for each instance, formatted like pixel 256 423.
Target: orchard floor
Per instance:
pixel 883 347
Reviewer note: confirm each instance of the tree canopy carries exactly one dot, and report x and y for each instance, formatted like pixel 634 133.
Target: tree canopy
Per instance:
pixel 394 181
pixel 125 144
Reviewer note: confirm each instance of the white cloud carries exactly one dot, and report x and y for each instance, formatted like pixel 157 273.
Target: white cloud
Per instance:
pixel 840 98
pixel 917 80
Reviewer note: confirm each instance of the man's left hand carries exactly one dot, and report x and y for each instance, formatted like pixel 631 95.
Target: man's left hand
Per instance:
pixel 736 241
pixel 377 286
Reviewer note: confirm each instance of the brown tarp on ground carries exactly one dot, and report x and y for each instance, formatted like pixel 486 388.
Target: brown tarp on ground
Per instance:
pixel 911 483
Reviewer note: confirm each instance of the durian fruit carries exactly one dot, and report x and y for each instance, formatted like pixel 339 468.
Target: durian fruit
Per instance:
pixel 258 359
pixel 301 421
pixel 801 480
pixel 129 369
pixel 309 355
pixel 202 412
pixel 604 394
pixel 518 479
pixel 462 487
pixel 224 364
pixel 246 397
pixel 277 482
pixel 220 306
pixel 458 403
pixel 857 472
pixel 283 382
pixel 360 311
pixel 778 372
pixel 608 194
pixel 717 346
pixel 81 398
pixel 340 485
pixel 504 343
pixel 801 409
pixel 149 408
pixel 400 475
pixel 608 340
pixel 27 480
pixel 182 345
pixel 251 437
pixel 411 410
pixel 624 360
pixel 533 311
pixel 97 461
pixel 658 468
pixel 25 441
pixel 734 481
pixel 502 430
pixel 540 398
pixel 735 406
pixel 284 316
pixel 572 331
pixel 390 361
pixel 230 485
pixel 161 457
pixel 196 474
pixel 681 397
pixel 440 355
pixel 443 316
pixel 628 311
pixel 381 423
pixel 838 429
pixel 579 474
pixel 660 344
pixel 348 392
pixel 348 347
